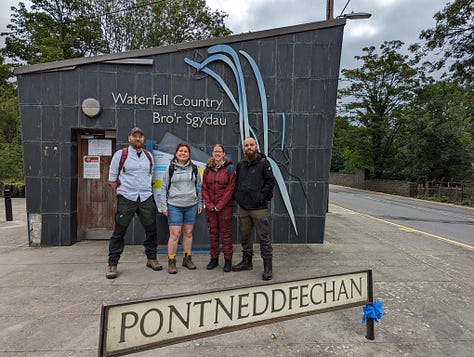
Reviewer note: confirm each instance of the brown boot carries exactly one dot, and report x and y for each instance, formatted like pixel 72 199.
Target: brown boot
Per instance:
pixel 111 272
pixel 188 262
pixel 153 264
pixel 172 266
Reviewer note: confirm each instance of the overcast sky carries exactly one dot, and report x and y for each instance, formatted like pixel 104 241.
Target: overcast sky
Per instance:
pixel 391 19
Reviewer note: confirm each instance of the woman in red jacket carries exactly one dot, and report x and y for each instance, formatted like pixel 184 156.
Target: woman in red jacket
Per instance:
pixel 217 189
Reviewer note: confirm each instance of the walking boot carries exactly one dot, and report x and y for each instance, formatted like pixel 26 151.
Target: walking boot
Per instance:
pixel 111 272
pixel 267 269
pixel 227 265
pixel 153 264
pixel 188 262
pixel 172 266
pixel 212 263
pixel 245 264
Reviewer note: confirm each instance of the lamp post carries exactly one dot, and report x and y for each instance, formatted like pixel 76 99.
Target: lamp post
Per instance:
pixel 351 16
pixel 329 9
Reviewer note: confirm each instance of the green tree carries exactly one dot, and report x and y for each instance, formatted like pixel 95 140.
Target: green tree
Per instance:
pixel 162 22
pixel 61 29
pixel 53 30
pixel 437 141
pixel 10 134
pixel 453 38
pixel 376 97
pixel 349 146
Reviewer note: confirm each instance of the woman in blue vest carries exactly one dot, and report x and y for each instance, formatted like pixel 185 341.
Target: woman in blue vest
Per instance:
pixel 182 199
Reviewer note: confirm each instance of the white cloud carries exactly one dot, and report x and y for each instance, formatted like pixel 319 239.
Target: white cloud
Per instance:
pixel 363 30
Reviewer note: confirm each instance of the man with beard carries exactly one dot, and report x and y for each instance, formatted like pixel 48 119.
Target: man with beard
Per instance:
pixel 253 189
pixel 130 174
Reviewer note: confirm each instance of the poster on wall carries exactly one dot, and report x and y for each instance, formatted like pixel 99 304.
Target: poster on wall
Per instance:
pixel 91 167
pixel 100 147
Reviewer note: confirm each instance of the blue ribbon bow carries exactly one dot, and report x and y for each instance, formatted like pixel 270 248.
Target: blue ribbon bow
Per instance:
pixel 373 311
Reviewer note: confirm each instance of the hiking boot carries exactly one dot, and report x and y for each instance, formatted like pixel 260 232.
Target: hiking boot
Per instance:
pixel 153 264
pixel 188 262
pixel 172 266
pixel 228 265
pixel 245 264
pixel 111 272
pixel 212 263
pixel 267 269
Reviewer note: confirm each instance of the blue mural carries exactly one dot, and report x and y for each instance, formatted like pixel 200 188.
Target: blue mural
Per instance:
pixel 230 57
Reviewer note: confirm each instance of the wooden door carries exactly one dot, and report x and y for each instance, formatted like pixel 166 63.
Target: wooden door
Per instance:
pixel 95 198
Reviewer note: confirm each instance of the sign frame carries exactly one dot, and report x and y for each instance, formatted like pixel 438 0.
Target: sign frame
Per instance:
pixel 107 307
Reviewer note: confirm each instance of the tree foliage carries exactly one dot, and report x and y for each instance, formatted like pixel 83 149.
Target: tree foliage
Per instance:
pixel 160 22
pixel 61 29
pixel 453 38
pixel 53 30
pixel 377 95
pixel 438 141
pixel 10 133
pixel 350 145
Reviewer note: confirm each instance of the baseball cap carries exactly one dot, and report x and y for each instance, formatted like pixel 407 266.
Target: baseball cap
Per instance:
pixel 136 130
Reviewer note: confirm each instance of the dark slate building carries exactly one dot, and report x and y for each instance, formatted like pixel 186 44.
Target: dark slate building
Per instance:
pixel 278 86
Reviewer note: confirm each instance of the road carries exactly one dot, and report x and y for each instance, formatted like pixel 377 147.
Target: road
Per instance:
pixel 441 221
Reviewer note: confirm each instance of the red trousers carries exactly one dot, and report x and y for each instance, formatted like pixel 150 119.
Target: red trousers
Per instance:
pixel 220 225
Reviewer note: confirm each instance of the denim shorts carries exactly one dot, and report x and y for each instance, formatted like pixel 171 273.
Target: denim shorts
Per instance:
pixel 178 216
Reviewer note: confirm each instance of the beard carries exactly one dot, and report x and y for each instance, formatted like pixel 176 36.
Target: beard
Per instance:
pixel 136 144
pixel 250 155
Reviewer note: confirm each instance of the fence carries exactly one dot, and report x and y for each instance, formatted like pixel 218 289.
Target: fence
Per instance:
pixel 457 192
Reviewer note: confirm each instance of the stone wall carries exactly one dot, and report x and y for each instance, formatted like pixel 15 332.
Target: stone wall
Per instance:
pixel 359 179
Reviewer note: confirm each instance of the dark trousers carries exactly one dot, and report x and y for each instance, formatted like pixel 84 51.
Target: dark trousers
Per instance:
pixel 146 212
pixel 220 225
pixel 258 219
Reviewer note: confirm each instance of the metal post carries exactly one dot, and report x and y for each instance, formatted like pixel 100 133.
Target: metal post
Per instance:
pixel 370 328
pixel 329 9
pixel 8 203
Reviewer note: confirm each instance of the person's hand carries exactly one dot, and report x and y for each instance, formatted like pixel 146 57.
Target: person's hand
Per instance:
pixel 199 210
pixel 165 212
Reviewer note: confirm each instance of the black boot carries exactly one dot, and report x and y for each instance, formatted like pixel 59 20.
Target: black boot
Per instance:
pixel 245 264
pixel 228 265
pixel 267 269
pixel 212 263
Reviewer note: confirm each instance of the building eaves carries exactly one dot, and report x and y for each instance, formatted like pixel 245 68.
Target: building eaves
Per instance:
pixel 132 57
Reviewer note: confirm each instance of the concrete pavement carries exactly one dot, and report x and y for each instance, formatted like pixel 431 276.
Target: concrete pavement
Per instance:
pixel 50 297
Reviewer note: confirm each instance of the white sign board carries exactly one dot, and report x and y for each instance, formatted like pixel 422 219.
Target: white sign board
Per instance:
pixel 101 147
pixel 152 322
pixel 91 167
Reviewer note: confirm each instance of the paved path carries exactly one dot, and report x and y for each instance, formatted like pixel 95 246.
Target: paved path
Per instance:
pixel 51 296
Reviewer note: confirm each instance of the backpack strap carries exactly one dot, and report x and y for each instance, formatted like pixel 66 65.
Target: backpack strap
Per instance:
pixel 148 155
pixel 123 157
pixel 171 169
